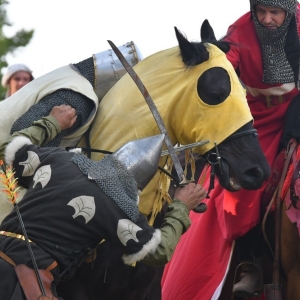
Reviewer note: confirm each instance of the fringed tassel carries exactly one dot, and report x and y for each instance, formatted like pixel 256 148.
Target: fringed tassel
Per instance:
pixel 289 175
pixel 162 194
pixel 203 173
pixel 190 160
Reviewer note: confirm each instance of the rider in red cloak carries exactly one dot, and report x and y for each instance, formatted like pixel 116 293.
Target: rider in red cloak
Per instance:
pixel 265 53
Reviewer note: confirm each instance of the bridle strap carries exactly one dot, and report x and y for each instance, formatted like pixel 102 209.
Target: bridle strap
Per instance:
pixel 243 133
pixel 235 135
pixel 87 140
pixel 89 150
pixel 218 158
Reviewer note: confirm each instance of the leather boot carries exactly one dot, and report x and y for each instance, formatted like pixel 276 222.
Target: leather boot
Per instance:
pixel 251 282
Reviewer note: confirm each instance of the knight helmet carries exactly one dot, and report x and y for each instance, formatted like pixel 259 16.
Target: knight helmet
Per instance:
pixel 141 158
pixel 109 69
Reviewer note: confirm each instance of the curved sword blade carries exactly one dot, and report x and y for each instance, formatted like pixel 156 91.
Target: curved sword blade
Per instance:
pixel 153 110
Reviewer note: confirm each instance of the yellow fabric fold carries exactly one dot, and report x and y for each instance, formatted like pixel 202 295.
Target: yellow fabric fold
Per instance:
pixel 124 115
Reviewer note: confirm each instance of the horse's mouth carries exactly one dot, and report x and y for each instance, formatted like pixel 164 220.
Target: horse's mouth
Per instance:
pixel 229 178
pixel 234 182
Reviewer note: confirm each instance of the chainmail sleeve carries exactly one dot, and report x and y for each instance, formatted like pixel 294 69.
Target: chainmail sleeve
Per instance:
pixel 82 104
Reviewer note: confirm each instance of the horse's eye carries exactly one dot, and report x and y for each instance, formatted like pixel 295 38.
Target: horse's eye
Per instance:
pixel 214 86
pixel 215 98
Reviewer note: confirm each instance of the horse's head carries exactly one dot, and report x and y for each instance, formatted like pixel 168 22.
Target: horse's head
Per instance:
pixel 198 96
pixel 239 160
pixel 224 115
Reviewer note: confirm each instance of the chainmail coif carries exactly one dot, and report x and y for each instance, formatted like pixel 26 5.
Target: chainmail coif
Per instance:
pixel 86 69
pixel 83 105
pixel 114 180
pixel 277 65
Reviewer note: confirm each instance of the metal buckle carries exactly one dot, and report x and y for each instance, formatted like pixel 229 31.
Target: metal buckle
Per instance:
pixel 269 100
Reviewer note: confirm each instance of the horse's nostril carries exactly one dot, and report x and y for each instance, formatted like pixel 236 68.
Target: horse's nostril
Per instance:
pixel 253 173
pixel 252 179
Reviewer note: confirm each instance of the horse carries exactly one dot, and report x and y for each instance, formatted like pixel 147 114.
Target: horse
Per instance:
pixel 198 95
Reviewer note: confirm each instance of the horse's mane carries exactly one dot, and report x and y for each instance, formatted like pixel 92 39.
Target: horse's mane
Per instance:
pixel 197 52
pixel 229 43
pixel 222 45
pixel 197 57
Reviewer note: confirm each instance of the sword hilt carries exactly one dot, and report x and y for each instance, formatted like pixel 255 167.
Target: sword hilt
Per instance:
pixel 201 207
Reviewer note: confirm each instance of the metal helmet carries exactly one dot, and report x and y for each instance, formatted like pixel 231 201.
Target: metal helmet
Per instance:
pixel 109 69
pixel 141 158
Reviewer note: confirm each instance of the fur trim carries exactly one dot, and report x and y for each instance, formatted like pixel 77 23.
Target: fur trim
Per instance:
pixel 147 248
pixel 76 150
pixel 15 145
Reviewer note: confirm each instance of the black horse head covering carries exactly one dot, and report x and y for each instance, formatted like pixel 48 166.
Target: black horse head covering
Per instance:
pixel 280 47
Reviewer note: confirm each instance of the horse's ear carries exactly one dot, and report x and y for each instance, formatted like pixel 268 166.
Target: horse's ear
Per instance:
pixel 207 35
pixel 190 54
pixel 206 32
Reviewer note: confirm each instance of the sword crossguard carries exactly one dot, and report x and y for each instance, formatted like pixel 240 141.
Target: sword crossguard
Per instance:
pixel 185 182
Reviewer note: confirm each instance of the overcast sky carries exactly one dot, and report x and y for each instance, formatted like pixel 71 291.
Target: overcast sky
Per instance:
pixel 68 31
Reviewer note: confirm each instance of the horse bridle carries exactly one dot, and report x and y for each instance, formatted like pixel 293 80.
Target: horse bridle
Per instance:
pixel 243 133
pixel 217 158
pixel 214 158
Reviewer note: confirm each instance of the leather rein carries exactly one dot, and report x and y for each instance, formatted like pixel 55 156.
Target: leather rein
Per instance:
pixel 213 158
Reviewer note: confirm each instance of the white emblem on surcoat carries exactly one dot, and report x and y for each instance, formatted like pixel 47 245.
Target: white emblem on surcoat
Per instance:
pixel 30 164
pixel 127 231
pixel 84 206
pixel 42 175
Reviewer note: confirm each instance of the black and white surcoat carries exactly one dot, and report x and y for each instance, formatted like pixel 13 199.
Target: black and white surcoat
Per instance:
pixel 66 214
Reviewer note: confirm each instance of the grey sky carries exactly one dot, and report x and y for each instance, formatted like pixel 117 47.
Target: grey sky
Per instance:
pixel 68 31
